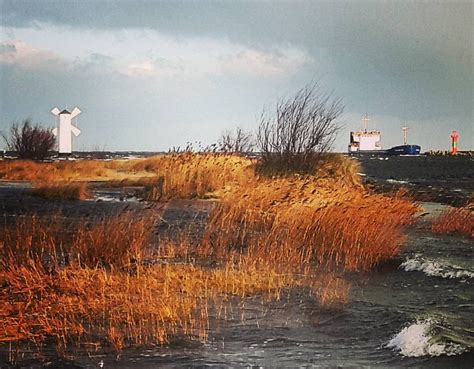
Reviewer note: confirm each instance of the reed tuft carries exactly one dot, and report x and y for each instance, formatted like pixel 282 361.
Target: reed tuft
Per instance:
pixel 456 220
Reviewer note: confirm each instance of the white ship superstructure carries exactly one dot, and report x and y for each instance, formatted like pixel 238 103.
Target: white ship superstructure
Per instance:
pixel 365 140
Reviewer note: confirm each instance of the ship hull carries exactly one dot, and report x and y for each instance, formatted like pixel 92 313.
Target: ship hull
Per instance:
pixel 394 151
pixel 404 150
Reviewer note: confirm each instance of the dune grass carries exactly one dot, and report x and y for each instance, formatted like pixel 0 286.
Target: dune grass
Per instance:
pixel 190 175
pixel 109 307
pixel 119 242
pixel 60 190
pixel 455 220
pixel 183 175
pixel 64 171
pixel 112 283
pixel 304 221
pixel 96 286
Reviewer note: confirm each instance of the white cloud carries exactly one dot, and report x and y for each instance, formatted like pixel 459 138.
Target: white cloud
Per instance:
pixel 242 62
pixel 265 64
pixel 150 54
pixel 22 54
pixel 144 68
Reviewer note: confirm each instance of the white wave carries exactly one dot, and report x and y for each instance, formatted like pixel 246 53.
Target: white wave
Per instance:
pixel 435 268
pixel 391 180
pixel 417 340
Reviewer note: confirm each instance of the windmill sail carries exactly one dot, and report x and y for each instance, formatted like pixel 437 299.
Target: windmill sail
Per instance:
pixel 75 112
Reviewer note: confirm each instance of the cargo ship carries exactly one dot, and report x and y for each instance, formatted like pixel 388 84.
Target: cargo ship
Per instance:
pixel 365 141
pixel 404 150
pixel 368 142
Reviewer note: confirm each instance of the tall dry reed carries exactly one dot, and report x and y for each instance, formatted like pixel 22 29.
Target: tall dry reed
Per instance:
pixel 183 175
pixel 61 190
pixel 93 286
pixel 456 220
pixel 64 171
pixel 54 242
pixel 302 221
pixel 189 175
pixel 101 283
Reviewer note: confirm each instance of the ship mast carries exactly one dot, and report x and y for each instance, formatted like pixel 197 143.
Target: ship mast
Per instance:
pixel 365 121
pixel 405 134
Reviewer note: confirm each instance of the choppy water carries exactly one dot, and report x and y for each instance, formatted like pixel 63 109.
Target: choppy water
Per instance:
pixel 415 312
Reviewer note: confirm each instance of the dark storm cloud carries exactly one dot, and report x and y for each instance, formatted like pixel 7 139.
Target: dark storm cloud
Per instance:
pixel 329 24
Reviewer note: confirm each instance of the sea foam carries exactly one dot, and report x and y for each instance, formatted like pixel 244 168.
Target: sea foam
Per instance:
pixel 418 340
pixel 435 268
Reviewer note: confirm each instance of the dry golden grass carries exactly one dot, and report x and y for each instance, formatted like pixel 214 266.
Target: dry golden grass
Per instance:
pixel 341 168
pixel 184 175
pixel 96 282
pixel 190 175
pixel 302 221
pixel 456 220
pixel 92 287
pixel 120 242
pixel 64 171
pixel 83 305
pixel 59 190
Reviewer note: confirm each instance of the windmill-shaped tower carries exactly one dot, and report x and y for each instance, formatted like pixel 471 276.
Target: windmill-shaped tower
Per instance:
pixel 65 129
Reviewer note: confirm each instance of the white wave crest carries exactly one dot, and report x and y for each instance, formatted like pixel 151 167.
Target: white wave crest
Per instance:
pixel 435 268
pixel 417 340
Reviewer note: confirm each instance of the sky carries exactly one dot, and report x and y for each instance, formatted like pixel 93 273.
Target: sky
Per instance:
pixel 151 75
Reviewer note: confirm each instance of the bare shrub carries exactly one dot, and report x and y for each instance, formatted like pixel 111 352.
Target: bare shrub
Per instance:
pixel 238 141
pixel 30 142
pixel 303 128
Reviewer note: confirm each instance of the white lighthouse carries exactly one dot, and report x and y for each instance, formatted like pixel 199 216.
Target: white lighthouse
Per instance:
pixel 65 129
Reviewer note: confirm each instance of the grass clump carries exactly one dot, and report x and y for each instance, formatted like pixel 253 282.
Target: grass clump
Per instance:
pixel 84 306
pixel 302 221
pixel 188 175
pixel 182 175
pixel 96 285
pixel 107 283
pixel 63 191
pixel 68 171
pixel 456 220
pixel 119 242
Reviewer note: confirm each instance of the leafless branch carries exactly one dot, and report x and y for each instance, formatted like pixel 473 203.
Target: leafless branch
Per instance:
pixel 29 142
pixel 302 129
